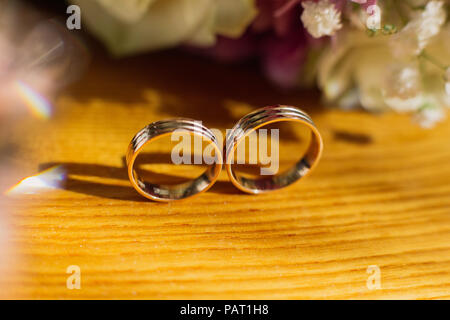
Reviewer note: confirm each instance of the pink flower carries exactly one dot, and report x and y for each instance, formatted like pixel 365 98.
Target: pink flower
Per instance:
pixel 277 38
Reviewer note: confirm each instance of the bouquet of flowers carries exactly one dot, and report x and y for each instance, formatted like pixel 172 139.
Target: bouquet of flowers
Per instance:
pixel 378 54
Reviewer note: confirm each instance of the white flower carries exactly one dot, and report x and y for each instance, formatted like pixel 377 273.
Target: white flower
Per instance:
pixel 403 87
pixel 362 66
pixel 129 26
pixel 415 36
pixel 428 117
pixel 402 90
pixel 129 11
pixel 403 82
pixel 430 22
pixel 321 18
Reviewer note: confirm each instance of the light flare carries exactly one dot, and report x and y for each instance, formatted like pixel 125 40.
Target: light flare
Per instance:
pixel 36 103
pixel 38 58
pixel 47 180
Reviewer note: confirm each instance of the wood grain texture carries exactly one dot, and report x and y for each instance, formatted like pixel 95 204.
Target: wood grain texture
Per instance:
pixel 380 196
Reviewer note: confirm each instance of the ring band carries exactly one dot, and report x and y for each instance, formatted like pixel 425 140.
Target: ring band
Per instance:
pixel 166 193
pixel 258 119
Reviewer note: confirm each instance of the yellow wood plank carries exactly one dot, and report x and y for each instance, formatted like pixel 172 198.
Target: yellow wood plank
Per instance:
pixel 380 196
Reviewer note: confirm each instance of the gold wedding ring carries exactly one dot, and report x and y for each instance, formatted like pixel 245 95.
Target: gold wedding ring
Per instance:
pixel 257 120
pixel 166 193
pixel 244 128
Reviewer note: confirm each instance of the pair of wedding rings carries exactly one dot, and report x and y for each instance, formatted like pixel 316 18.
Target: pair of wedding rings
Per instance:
pixel 243 128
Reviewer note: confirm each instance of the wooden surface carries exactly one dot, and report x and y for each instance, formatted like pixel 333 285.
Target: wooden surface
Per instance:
pixel 380 196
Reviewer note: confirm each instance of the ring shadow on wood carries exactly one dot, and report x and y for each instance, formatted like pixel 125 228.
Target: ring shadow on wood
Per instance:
pixel 78 175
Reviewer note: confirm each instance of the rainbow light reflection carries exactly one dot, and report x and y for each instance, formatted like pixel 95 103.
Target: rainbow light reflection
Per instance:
pixel 47 180
pixel 37 104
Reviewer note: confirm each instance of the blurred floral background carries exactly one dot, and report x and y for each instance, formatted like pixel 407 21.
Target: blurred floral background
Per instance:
pixel 381 55
pixel 378 54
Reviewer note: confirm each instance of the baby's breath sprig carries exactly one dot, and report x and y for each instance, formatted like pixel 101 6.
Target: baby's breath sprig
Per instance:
pixel 387 29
